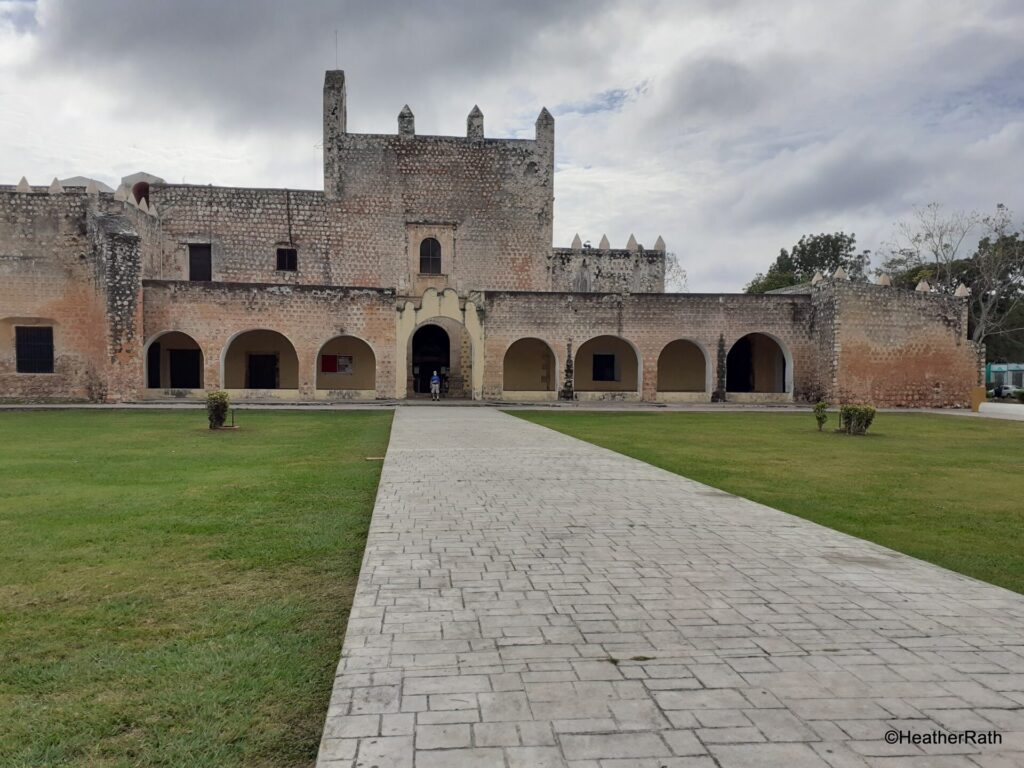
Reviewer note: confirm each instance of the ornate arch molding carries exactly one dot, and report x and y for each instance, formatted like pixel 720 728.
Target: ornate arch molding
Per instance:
pixel 434 304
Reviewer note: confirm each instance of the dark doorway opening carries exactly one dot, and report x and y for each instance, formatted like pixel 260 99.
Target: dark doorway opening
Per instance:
pixel 261 372
pixel 604 368
pixel 739 367
pixel 200 262
pixel 431 351
pixel 756 363
pixel 153 366
pixel 186 368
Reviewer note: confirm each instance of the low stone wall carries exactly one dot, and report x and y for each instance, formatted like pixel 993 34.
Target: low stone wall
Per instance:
pixel 900 348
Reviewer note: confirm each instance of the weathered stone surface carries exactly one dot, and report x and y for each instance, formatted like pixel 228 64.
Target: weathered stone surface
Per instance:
pixel 475 124
pixel 110 276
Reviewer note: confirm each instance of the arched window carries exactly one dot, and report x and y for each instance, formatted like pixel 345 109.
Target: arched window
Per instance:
pixel 430 256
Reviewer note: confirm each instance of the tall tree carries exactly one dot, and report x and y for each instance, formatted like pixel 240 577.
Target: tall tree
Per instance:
pixel 995 276
pixel 675 276
pixel 930 245
pixel 813 253
pixel 935 246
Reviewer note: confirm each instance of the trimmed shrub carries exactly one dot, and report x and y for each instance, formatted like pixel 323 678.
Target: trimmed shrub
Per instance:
pixel 217 408
pixel 821 413
pixel 1020 396
pixel 856 419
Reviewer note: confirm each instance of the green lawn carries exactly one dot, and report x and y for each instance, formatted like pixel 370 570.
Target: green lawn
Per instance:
pixel 171 596
pixel 945 489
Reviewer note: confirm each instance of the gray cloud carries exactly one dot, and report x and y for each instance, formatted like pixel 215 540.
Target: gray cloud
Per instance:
pixel 258 64
pixel 729 128
pixel 714 88
pixel 824 179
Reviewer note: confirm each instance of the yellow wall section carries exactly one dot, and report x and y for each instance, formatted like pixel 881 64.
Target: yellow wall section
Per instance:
pixel 261 343
pixel 529 367
pixel 625 365
pixel 682 368
pixel 769 364
pixel 364 365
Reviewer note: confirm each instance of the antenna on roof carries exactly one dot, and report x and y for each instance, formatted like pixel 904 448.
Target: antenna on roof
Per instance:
pixel 335 49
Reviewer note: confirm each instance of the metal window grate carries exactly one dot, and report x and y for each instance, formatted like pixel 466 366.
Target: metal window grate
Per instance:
pixel 34 349
pixel 604 368
pixel 200 267
pixel 287 259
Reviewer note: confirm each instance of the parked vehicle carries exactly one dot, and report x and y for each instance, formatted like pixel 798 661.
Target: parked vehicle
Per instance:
pixel 1006 390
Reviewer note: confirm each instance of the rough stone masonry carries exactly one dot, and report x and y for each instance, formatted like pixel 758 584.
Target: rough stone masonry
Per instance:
pixel 421 253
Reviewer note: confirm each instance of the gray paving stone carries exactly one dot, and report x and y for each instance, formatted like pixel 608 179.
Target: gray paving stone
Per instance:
pixel 759 755
pixel 600 746
pixel 535 757
pixel 458 758
pixel 527 599
pixel 504 707
pixel 442 736
pixel 495 735
pixel 392 751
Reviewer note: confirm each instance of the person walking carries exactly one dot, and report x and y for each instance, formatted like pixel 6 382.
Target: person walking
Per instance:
pixel 435 387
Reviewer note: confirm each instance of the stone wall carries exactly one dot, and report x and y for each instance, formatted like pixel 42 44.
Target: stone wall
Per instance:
pixel 897 347
pixel 51 274
pixel 496 194
pixel 585 270
pixel 244 228
pixel 649 322
pixel 492 199
pixel 308 316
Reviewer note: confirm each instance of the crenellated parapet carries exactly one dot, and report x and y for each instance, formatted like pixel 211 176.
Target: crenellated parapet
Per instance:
pixel 585 269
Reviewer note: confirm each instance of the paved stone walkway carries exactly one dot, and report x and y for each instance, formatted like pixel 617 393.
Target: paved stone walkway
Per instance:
pixel 528 600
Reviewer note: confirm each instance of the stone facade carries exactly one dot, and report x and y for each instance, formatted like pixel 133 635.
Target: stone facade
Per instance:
pixel 167 290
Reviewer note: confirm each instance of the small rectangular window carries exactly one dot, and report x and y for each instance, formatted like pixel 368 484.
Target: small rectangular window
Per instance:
pixel 287 259
pixel 604 368
pixel 200 267
pixel 337 364
pixel 34 348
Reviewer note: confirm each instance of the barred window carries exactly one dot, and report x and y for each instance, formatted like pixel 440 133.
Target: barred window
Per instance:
pixel 200 267
pixel 287 259
pixel 430 256
pixel 604 368
pixel 34 347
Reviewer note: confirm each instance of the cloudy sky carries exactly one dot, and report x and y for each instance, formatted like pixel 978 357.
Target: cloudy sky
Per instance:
pixel 729 127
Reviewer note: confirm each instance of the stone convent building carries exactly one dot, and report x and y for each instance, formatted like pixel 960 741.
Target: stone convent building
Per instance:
pixel 421 253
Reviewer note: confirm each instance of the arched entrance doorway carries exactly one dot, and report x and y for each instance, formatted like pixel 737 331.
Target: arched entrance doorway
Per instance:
pixel 260 359
pixel 431 351
pixel 529 366
pixel 682 371
pixel 174 361
pixel 346 364
pixel 758 364
pixel 460 319
pixel 607 367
